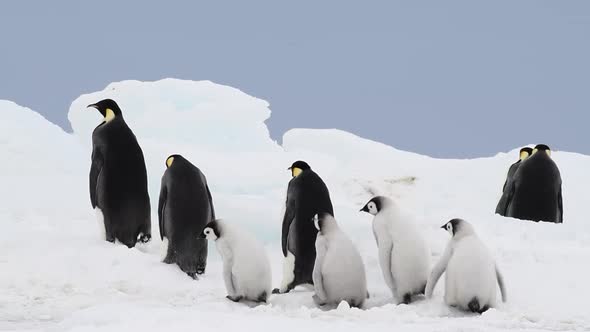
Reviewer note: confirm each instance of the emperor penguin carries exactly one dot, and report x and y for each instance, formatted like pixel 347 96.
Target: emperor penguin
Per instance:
pixel 535 192
pixel 471 272
pixel 339 272
pixel 246 267
pixel 185 207
pixel 404 255
pixel 524 154
pixel 307 195
pixel 118 178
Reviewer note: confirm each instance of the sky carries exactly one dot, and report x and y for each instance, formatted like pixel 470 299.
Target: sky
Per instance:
pixel 452 79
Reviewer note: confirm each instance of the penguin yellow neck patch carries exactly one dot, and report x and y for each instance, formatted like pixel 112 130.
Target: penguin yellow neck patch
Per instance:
pixel 548 152
pixel 295 171
pixel 524 155
pixel 109 115
pixel 169 161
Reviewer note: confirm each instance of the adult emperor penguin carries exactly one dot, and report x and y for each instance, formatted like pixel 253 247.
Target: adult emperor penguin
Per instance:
pixel 246 268
pixel 471 273
pixel 524 154
pixel 404 255
pixel 307 195
pixel 535 192
pixel 184 209
pixel 339 272
pixel 118 178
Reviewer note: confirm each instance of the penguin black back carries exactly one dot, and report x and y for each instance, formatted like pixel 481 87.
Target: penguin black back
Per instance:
pixel 535 192
pixel 185 208
pixel 118 178
pixel 502 203
pixel 523 155
pixel 311 197
pixel 307 195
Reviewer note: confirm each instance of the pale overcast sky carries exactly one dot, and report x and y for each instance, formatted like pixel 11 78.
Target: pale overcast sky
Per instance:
pixel 443 78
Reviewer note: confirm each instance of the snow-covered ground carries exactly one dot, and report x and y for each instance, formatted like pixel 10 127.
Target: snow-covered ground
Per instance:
pixel 57 275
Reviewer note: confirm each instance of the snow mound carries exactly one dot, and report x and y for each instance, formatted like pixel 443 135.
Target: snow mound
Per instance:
pixel 58 275
pixel 38 157
pixel 25 133
pixel 199 114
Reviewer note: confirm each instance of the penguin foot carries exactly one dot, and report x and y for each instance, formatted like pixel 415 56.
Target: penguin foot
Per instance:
pixel 407 299
pixel 144 238
pixel 192 275
pixel 235 298
pixel 262 298
pixel 318 301
pixel 356 304
pixel 279 291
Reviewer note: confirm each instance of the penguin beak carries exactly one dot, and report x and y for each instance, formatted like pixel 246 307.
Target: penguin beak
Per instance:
pixel 290 168
pixel 443 226
pixel 92 106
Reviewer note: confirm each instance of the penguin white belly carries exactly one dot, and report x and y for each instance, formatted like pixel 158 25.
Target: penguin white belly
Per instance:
pixel 410 262
pixel 470 273
pixel 164 248
pixel 289 261
pixel 343 272
pixel 101 226
pixel 251 270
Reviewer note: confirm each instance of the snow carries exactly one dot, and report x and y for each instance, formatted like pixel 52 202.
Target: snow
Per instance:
pixel 58 275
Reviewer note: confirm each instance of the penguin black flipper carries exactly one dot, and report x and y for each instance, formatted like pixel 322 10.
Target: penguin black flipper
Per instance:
pixel 502 203
pixel 290 209
pixel 506 199
pixel 511 171
pixel 95 169
pixel 502 206
pixel 211 203
pixel 161 208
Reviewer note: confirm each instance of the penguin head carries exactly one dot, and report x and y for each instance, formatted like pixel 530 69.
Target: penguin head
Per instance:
pixel 298 167
pixel 542 148
pixel 323 221
pixel 457 227
pixel 375 205
pixel 525 153
pixel 108 108
pixel 212 231
pixel 171 159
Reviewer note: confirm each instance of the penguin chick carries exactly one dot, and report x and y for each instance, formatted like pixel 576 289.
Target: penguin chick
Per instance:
pixel 339 272
pixel 404 255
pixel 471 273
pixel 246 268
